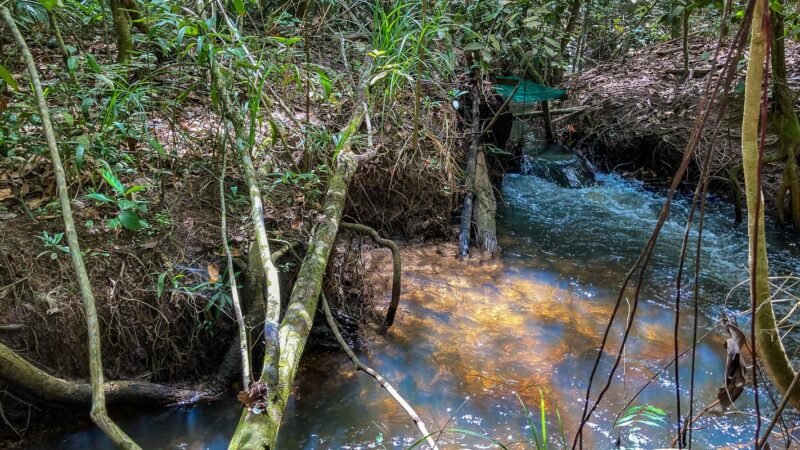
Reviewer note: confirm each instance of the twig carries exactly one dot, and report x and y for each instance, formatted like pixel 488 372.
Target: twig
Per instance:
pixel 382 381
pixel 237 304
pixel 499 111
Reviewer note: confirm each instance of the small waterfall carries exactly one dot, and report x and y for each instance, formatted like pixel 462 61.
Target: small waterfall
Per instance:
pixel 558 165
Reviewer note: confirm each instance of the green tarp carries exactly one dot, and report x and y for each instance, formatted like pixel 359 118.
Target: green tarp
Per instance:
pixel 528 92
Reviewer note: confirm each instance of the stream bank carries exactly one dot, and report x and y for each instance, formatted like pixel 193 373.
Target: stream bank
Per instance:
pixel 470 336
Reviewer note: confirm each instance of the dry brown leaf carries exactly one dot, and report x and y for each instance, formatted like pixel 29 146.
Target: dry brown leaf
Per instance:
pixel 151 244
pixel 35 203
pixel 213 273
pixel 5 194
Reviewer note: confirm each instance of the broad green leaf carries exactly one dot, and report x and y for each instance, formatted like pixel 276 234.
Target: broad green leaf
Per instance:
pixel 160 288
pixel 100 197
pixel 72 63
pixel 86 105
pixel 112 180
pixel 80 150
pixel 6 76
pixel 552 42
pixel 92 61
pixel 134 189
pixel 130 220
pixel 238 5
pixel 49 4
pixel 159 148
pixel 125 204
pixel 474 46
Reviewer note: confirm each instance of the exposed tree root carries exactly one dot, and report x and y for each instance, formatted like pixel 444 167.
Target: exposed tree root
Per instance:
pixel 396 268
pixel 382 381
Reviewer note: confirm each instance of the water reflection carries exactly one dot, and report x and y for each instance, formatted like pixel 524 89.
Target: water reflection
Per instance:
pixel 474 339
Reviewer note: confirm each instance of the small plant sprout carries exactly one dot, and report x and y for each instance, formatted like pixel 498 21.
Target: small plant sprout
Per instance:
pixel 52 244
pixel 129 209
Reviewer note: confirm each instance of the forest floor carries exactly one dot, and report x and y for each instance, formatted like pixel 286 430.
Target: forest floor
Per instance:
pixel 639 113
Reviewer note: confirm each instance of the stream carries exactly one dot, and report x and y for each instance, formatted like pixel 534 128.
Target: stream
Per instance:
pixel 476 344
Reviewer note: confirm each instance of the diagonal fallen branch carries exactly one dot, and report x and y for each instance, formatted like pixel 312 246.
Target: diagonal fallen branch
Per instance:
pixel 382 381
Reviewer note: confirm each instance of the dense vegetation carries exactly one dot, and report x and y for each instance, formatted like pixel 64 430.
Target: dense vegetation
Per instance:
pixel 181 182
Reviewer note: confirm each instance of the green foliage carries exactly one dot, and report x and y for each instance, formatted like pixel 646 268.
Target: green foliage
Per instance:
pixel 516 34
pixel 396 39
pixel 52 244
pixel 234 199
pixel 129 209
pixel 7 78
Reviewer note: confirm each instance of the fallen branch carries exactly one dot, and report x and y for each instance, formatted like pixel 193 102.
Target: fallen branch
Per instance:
pixel 555 112
pixel 396 268
pixel 98 413
pixel 19 372
pixel 697 73
pixel 382 381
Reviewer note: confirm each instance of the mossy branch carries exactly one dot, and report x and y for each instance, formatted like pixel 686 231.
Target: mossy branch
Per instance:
pixel 19 372
pixel 260 431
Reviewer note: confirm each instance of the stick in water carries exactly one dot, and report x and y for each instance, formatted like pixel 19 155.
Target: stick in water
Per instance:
pixel 382 381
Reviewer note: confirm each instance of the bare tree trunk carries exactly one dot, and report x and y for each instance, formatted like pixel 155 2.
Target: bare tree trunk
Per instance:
pixel 784 118
pixel 768 342
pixel 485 208
pixel 572 21
pixel 685 19
pixel 98 414
pixel 53 18
pixel 122 28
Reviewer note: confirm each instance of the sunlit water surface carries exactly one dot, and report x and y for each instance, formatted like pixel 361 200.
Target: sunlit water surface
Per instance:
pixel 478 343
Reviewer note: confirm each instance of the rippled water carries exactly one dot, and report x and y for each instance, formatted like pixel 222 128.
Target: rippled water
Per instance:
pixel 476 341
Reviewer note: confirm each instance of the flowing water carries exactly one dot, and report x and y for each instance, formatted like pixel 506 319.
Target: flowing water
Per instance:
pixel 478 343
